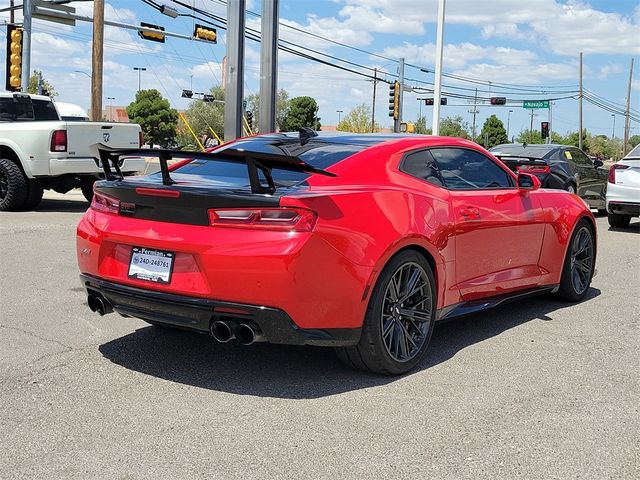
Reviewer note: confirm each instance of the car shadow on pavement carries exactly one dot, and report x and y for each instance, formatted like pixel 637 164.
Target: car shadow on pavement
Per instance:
pixel 634 227
pixel 294 372
pixel 55 205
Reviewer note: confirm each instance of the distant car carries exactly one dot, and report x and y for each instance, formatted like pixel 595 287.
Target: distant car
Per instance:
pixel 623 190
pixel 559 166
pixel 359 242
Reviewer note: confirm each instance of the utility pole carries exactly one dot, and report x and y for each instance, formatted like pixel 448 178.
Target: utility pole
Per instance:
pixel 475 111
pixel 396 123
pixel 550 122
pixel 437 89
pixel 27 13
pixel 531 127
pixel 235 70
pixel 268 66
pixel 613 130
pixel 12 17
pixel 96 60
pixel 508 122
pixel 373 105
pixel 627 118
pixel 579 108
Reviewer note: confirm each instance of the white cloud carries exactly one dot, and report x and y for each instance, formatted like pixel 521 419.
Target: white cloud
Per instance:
pixel 609 69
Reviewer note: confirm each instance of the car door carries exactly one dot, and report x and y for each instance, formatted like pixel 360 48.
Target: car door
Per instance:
pixel 498 228
pixel 591 185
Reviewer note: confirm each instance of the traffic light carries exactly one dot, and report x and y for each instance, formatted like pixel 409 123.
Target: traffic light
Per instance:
pixel 187 94
pixel 208 98
pixel 498 100
pixel 394 100
pixel 14 58
pixel 544 129
pixel 430 101
pixel 153 36
pixel 205 33
pixel 249 114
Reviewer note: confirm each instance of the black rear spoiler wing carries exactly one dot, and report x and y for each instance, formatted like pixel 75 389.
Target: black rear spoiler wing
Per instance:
pixel 514 161
pixel 255 161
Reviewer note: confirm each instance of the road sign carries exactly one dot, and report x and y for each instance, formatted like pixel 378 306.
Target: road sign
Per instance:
pixel 535 104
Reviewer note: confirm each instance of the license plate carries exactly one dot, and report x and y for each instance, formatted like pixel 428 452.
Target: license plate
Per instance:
pixel 151 265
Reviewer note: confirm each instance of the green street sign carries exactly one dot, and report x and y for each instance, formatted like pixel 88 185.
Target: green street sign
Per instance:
pixel 535 104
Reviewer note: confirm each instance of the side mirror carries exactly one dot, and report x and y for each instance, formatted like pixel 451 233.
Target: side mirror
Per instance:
pixel 528 181
pixel 598 163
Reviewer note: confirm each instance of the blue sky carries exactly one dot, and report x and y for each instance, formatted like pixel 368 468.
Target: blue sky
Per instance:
pixel 509 43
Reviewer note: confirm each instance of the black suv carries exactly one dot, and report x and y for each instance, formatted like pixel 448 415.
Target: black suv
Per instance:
pixel 558 166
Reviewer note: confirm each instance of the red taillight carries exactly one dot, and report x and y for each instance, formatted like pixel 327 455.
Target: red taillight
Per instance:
pixel 140 139
pixel 59 141
pixel 534 169
pixel 105 203
pixel 282 219
pixel 612 171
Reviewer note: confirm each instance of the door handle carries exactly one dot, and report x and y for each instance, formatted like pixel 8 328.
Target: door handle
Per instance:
pixel 470 212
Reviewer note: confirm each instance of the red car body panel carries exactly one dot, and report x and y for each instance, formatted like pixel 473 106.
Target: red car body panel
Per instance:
pixel 481 243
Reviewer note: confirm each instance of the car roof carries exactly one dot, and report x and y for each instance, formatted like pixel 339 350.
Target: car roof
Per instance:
pixel 346 138
pixel 534 150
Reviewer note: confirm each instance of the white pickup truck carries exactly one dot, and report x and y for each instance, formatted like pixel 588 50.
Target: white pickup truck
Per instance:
pixel 39 150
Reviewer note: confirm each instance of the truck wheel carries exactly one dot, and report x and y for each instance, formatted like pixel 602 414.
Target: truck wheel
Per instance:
pixel 13 186
pixel 34 195
pixel 87 191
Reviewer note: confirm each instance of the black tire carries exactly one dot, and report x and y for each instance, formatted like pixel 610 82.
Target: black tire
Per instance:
pixel 34 195
pixel 13 186
pixel 579 263
pixel 571 188
pixel 87 191
pixel 602 212
pixel 618 221
pixel 405 325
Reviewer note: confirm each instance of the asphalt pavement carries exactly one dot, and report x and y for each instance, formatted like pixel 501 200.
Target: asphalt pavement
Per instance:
pixel 539 389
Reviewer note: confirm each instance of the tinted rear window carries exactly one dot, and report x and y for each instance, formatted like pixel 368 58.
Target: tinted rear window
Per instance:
pixel 318 154
pixel 11 111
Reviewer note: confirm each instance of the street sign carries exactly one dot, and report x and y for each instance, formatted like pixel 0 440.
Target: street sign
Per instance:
pixel 535 104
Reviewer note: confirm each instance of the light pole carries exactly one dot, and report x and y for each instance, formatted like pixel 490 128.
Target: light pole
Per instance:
pixel 84 73
pixel 508 121
pixel 613 132
pixel 139 70
pixel 111 99
pixel 339 112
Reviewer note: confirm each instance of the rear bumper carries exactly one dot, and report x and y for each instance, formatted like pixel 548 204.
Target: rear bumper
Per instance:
pixel 623 199
pixel 198 313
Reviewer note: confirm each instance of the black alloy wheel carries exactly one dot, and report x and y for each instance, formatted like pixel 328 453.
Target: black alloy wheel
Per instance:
pixel 582 260
pixel 579 263
pixel 406 312
pixel 399 320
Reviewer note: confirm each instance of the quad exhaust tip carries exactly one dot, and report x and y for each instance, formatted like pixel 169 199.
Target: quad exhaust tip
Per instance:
pixel 222 331
pixel 99 305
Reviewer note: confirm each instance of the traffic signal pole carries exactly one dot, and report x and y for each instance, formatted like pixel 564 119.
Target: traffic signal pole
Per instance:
pixel 268 66
pixel 27 13
pixel 235 70
pixel 397 121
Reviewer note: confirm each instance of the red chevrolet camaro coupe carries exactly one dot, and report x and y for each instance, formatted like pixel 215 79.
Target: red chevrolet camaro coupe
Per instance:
pixel 358 242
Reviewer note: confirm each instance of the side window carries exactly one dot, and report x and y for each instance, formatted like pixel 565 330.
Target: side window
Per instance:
pixel 463 169
pixel 581 158
pixel 44 111
pixel 421 165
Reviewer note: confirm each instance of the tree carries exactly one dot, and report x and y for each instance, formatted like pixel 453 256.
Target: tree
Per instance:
pixel 156 117
pixel 634 140
pixel 493 133
pixel 421 126
pixel 529 137
pixel 47 87
pixel 302 113
pixel 454 127
pixel 282 107
pixel 203 117
pixel 572 139
pixel 358 120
